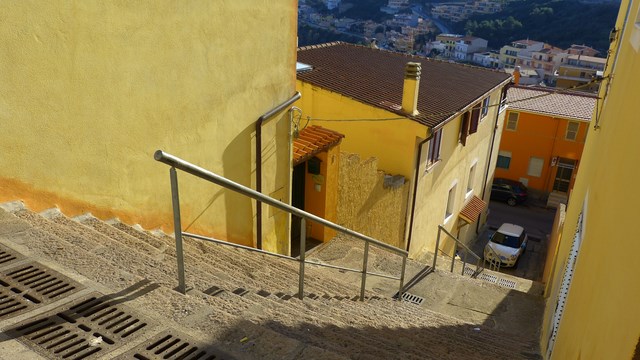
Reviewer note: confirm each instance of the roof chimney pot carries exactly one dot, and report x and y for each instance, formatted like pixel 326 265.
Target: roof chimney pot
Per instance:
pixel 412 72
pixel 516 75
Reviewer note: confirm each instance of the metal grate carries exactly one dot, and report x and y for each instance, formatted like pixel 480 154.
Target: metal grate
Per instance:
pixel 488 277
pixel 7 256
pixel 469 271
pixel 84 329
pixel 169 345
pixel 414 299
pixel 507 283
pixel 29 286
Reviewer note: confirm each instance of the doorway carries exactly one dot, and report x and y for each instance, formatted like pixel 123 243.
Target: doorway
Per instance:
pixel 298 186
pixel 564 173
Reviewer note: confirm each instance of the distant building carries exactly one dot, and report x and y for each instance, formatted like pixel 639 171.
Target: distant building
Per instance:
pixel 449 41
pixel 509 53
pixel 394 6
pixel 398 4
pixel 548 61
pixel 461 11
pixel 437 46
pixel 578 71
pixel 582 50
pixel 332 4
pixel 467 46
pixel 487 59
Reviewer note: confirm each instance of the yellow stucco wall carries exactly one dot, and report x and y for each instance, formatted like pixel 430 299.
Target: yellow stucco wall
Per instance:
pixel 89 90
pixel 364 137
pixel 602 318
pixel 434 184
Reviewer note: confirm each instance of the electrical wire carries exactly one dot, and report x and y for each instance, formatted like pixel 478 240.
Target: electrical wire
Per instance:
pixel 560 91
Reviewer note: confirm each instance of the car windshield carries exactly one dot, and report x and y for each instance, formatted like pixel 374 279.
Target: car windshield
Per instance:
pixel 506 240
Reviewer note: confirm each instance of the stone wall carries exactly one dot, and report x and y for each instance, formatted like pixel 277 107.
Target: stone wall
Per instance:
pixel 366 205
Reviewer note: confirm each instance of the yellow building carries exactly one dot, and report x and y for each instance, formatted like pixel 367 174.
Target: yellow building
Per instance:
pixel 428 123
pixel 592 307
pixel 509 53
pixel 578 71
pixel 89 90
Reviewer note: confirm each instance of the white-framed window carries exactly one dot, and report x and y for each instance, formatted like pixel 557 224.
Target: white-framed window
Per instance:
pixel 512 121
pixel 572 130
pixel 485 107
pixel 433 155
pixel 504 159
pixel 535 166
pixel 471 180
pixel 451 201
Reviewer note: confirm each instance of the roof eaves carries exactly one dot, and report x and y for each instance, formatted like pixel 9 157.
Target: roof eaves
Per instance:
pixel 554 115
pixel 470 105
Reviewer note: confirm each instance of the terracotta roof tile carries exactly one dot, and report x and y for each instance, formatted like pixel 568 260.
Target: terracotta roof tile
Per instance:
pixel 312 140
pixel 376 77
pixel 573 105
pixel 473 209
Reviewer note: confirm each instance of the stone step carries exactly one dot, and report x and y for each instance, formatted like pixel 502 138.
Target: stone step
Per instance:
pixel 258 323
pixel 243 263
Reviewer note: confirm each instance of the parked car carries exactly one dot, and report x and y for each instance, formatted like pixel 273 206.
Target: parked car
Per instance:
pixel 511 191
pixel 506 245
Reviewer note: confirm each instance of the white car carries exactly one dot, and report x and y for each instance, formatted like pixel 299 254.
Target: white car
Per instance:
pixel 507 243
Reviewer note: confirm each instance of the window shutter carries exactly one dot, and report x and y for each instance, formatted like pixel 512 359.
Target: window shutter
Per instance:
pixel 464 128
pixel 475 117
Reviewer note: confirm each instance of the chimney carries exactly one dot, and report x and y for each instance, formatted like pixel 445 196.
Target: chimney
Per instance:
pixel 516 75
pixel 412 73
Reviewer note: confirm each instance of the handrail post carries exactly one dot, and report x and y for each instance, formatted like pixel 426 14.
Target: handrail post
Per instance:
pixel 464 262
pixel 177 227
pixel 404 266
pixel 453 258
pixel 303 249
pixel 364 270
pixel 435 253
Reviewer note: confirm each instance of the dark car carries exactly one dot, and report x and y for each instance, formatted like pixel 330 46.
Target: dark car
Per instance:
pixel 511 191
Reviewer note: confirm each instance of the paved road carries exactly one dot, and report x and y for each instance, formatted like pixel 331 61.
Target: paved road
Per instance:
pixel 418 11
pixel 536 220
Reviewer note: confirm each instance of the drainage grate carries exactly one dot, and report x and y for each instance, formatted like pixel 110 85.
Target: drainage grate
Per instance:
pixel 469 271
pixel 240 291
pixel 488 277
pixel 7 256
pixel 168 345
pixel 29 286
pixel 214 291
pixel 507 283
pixel 84 329
pixel 414 299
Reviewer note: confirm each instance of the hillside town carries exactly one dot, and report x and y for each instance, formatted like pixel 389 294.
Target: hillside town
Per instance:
pixel 174 186
pixel 408 31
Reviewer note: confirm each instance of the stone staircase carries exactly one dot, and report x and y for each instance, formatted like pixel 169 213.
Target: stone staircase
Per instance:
pixel 240 304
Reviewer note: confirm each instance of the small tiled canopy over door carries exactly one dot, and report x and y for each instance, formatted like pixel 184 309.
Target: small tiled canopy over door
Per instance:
pixel 564 287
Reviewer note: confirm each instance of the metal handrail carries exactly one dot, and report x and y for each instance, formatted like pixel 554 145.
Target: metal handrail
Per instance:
pixel 457 242
pixel 177 163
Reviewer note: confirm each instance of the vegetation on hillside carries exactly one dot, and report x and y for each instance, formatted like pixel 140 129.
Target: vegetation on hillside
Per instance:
pixel 557 22
pixel 308 35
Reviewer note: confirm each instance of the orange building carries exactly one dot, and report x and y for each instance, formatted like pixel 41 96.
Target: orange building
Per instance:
pixel 542 139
